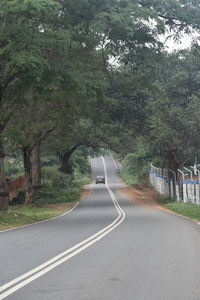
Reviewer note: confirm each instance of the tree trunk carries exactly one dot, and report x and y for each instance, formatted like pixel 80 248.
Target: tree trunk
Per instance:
pixel 64 163
pixel 173 162
pixel 28 172
pixel 64 160
pixel 36 166
pixel 4 195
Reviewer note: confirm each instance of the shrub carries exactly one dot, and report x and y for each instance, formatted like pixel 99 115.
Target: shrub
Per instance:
pixel 134 168
pixel 52 176
pixel 79 162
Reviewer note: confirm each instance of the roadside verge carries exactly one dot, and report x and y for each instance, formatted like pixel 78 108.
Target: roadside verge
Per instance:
pixel 19 216
pixel 144 196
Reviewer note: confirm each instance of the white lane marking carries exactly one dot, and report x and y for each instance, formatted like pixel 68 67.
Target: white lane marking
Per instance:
pixel 43 221
pixel 117 206
pixel 59 259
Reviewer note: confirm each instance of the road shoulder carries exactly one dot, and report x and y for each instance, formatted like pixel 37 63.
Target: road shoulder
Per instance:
pixel 143 196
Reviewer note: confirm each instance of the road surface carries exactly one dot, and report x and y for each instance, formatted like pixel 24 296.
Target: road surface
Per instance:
pixel 105 249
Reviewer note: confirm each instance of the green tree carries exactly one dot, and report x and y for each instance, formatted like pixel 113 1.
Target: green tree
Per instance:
pixel 174 112
pixel 27 133
pixel 24 28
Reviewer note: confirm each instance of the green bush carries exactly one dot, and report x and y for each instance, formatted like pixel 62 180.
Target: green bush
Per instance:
pixel 81 167
pixel 57 187
pixel 50 160
pixel 79 161
pixel 134 168
pixel 80 178
pixel 53 177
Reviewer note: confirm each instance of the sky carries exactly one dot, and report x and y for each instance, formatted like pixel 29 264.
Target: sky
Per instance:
pixel 183 43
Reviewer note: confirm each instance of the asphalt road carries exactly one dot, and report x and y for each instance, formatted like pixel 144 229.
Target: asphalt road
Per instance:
pixel 105 249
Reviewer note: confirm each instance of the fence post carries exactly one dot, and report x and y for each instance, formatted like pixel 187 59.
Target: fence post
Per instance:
pixel 197 187
pixel 159 180
pixel 190 186
pixel 166 182
pixel 177 192
pixel 151 174
pixel 156 179
pixel 184 187
pixel 193 191
pixel 154 176
pixel 197 192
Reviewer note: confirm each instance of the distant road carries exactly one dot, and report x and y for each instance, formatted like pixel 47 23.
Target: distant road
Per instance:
pixel 104 249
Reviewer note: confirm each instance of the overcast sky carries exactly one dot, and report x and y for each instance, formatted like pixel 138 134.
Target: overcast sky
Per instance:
pixel 183 43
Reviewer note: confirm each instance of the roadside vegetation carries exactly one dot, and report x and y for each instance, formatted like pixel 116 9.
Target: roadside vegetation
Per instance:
pixel 135 165
pixel 22 215
pixel 57 193
pixel 140 192
pixel 185 209
pixel 134 171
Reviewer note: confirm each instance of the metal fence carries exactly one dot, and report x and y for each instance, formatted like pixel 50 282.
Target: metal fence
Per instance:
pixel 184 187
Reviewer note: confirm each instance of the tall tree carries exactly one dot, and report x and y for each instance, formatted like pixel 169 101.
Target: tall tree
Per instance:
pixel 28 133
pixel 173 114
pixel 24 26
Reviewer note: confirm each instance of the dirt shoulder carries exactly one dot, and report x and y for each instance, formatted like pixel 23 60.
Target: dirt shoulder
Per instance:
pixel 144 196
pixel 141 195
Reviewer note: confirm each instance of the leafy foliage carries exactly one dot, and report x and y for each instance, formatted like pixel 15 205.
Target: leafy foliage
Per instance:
pixel 174 118
pixel 13 167
pixel 53 177
pixel 135 164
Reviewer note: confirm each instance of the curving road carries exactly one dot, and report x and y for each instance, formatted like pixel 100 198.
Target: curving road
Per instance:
pixel 105 249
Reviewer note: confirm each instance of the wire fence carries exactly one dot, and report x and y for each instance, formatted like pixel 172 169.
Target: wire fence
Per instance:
pixel 181 187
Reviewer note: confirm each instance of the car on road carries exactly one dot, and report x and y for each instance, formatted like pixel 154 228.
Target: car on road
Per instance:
pixel 100 179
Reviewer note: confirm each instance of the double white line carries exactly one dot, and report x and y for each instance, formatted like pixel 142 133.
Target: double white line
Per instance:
pixel 19 282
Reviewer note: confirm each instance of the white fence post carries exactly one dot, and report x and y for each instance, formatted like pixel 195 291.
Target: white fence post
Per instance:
pixel 184 186
pixel 177 192
pixel 172 195
pixel 197 192
pixel 192 191
pixel 189 185
pixel 185 197
pixel 189 195
pixel 183 190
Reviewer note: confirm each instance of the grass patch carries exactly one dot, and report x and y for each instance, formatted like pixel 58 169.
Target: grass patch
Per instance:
pixel 60 198
pixel 186 209
pixel 49 195
pixel 17 216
